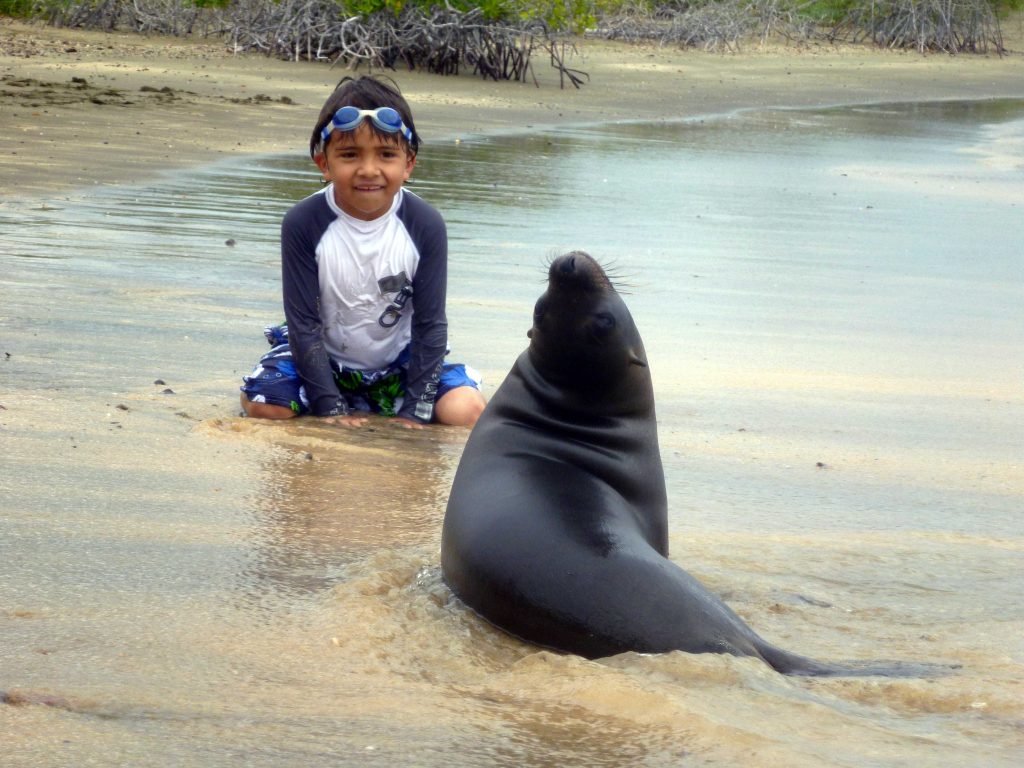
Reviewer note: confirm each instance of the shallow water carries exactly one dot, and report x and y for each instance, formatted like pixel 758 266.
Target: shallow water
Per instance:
pixel 833 306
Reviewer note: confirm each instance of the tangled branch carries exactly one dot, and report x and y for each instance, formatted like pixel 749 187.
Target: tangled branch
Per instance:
pixel 438 39
pixel 951 26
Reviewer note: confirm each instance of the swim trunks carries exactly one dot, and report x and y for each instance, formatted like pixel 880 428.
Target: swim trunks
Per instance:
pixel 274 380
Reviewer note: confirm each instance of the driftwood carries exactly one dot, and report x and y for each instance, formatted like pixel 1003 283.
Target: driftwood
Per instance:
pixel 443 40
pixel 709 26
pixel 440 39
pixel 951 26
pixel 172 17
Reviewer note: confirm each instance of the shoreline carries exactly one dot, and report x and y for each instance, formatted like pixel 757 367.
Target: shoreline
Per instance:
pixel 136 105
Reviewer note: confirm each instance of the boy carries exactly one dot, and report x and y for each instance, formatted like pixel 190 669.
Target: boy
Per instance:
pixel 364 267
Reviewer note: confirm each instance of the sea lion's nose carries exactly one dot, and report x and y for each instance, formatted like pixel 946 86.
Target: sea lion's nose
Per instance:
pixel 568 265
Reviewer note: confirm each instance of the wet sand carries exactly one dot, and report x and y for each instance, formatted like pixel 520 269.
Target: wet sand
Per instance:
pixel 81 108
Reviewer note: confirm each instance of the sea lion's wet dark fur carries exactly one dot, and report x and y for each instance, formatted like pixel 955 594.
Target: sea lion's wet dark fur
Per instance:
pixel 556 528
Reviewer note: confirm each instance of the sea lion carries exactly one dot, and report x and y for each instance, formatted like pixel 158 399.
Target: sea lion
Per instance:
pixel 556 529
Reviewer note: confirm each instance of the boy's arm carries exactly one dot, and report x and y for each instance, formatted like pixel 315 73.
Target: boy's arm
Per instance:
pixel 429 321
pixel 301 287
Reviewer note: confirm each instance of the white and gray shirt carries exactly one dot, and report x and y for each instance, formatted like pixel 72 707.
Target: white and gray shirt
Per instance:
pixel 359 292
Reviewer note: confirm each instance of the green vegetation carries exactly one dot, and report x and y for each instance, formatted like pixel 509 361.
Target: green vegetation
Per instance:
pixel 22 9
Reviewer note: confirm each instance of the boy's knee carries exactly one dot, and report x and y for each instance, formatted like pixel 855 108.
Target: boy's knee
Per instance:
pixel 264 410
pixel 461 407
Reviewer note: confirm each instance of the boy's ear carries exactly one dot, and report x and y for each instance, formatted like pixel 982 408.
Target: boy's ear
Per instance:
pixel 410 163
pixel 321 161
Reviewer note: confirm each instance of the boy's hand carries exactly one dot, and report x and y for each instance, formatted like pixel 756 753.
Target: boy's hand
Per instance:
pixel 407 423
pixel 345 421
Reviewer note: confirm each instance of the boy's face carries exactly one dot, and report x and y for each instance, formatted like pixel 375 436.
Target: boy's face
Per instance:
pixel 367 170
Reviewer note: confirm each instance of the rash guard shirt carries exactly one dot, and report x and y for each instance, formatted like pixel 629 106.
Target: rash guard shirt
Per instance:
pixel 359 292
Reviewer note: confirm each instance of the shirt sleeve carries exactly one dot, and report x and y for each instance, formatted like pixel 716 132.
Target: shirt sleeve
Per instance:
pixel 301 287
pixel 429 321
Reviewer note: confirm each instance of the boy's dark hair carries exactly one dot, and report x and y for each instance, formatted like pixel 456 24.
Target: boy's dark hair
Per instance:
pixel 366 92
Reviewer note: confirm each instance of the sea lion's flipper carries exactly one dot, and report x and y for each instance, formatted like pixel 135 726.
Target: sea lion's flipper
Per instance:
pixel 794 664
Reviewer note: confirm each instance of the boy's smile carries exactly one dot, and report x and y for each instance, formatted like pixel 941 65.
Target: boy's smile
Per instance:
pixel 367 170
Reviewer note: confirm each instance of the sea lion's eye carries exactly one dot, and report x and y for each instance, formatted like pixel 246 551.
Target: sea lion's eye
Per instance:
pixel 604 322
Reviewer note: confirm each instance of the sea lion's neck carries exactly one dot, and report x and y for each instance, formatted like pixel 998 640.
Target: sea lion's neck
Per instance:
pixel 582 395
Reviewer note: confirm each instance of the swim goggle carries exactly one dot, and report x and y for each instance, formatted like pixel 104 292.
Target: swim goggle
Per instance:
pixel 348 119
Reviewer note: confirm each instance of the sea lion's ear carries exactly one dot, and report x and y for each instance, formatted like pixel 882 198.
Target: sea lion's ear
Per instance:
pixel 635 359
pixel 529 334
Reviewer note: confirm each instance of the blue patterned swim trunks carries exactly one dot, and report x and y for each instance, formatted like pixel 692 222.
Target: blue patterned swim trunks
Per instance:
pixel 274 380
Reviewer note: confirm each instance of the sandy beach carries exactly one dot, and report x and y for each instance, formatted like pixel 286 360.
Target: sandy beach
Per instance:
pixel 80 108
pixel 831 303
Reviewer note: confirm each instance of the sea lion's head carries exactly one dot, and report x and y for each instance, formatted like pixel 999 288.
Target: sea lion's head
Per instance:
pixel 583 335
